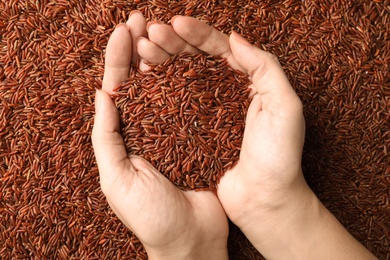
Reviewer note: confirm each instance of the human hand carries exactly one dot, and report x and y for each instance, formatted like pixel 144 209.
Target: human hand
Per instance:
pixel 269 168
pixel 265 194
pixel 171 224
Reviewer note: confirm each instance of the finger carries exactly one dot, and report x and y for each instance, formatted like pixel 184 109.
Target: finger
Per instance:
pixel 151 52
pixel 108 145
pixel 269 79
pixel 118 58
pixel 136 25
pixel 143 66
pixel 204 37
pixel 164 36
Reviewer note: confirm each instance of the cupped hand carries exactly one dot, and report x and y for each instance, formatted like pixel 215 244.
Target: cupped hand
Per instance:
pixel 170 223
pixel 266 185
pixel 265 194
pixel 269 168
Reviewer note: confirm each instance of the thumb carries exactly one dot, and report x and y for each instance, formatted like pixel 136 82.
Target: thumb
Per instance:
pixel 107 141
pixel 264 69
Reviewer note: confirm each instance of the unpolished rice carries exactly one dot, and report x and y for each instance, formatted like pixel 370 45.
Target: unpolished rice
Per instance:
pixel 335 53
pixel 187 117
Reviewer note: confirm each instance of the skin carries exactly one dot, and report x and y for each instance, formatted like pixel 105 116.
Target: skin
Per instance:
pixel 265 194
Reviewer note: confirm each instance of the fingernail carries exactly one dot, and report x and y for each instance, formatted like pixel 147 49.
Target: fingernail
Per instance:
pixel 151 23
pixel 134 12
pixel 97 100
pixel 140 38
pixel 240 39
pixel 173 19
pixel 118 25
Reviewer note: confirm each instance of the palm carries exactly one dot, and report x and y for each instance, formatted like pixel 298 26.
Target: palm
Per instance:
pixel 266 144
pixel 160 214
pixel 264 147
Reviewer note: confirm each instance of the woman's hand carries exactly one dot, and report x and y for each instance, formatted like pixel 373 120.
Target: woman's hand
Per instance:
pixel 265 194
pixel 269 168
pixel 170 223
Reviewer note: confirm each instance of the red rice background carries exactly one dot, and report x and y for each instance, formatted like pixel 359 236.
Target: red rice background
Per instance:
pixel 335 53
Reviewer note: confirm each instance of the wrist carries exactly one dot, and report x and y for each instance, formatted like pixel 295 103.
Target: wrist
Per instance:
pixel 276 231
pixel 301 228
pixel 270 203
pixel 280 220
